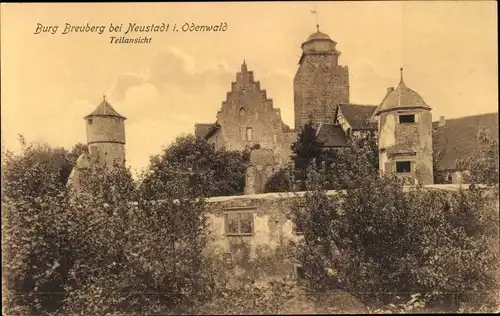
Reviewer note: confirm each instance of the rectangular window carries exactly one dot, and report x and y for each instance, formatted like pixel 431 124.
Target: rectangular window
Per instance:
pixel 249 134
pixel 408 118
pixel 239 223
pixel 403 166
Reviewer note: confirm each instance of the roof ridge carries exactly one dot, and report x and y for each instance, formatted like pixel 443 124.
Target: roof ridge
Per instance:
pixel 468 116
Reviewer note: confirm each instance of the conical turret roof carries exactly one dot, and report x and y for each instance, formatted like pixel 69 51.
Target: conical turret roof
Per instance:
pixel 402 97
pixel 105 109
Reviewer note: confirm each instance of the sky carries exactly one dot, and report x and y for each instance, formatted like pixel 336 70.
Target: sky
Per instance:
pixel 49 82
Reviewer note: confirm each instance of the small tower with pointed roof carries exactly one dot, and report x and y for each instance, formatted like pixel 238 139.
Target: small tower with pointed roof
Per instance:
pixel 405 135
pixel 320 83
pixel 106 135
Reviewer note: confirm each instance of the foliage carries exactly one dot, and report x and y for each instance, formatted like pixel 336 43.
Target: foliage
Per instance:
pixel 33 201
pixel 196 169
pixel 281 181
pixel 483 163
pixel 305 150
pixel 338 166
pixel 378 241
pixel 359 158
pixel 96 253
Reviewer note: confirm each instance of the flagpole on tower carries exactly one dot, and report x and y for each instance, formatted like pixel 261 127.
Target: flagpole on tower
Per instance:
pixel 315 12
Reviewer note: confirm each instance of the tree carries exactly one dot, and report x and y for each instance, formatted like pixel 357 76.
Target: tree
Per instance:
pixel 100 252
pixel 305 150
pixel 281 181
pixel 376 238
pixel 482 164
pixel 33 204
pixel 196 169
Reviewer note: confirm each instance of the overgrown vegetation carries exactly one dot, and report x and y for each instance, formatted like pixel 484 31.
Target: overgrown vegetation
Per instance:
pixel 196 169
pixel 398 250
pixel 130 248
pixel 338 165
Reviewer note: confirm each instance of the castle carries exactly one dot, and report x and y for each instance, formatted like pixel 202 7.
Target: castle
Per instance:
pixel 254 227
pixel 408 138
pixel 402 120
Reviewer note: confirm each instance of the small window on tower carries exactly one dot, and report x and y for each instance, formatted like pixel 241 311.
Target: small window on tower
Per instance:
pixel 410 118
pixel 403 166
pixel 90 121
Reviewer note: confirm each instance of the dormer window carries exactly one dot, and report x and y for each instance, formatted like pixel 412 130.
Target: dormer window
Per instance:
pixel 407 118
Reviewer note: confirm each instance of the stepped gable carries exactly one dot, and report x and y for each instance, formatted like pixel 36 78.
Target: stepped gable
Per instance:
pixel 245 83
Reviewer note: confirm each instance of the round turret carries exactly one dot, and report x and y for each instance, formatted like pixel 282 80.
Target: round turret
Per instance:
pixel 106 134
pixel 405 135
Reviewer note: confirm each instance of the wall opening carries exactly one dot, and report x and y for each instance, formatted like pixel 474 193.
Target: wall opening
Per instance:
pixel 249 134
pixel 403 166
pixel 241 114
pixel 89 121
pixel 407 118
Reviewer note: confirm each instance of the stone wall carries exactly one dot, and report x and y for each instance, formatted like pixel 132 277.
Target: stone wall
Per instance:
pixel 247 116
pixel 265 250
pixel 262 244
pixel 262 166
pixel 105 128
pixel 407 142
pixel 106 139
pixel 319 86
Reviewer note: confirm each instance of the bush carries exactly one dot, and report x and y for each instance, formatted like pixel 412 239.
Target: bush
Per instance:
pixel 97 253
pixel 382 242
pixel 196 169
pixel 378 242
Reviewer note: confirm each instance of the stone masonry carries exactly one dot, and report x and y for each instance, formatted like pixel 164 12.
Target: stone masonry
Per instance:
pixel 320 83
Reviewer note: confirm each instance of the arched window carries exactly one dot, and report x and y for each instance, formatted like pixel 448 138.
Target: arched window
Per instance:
pixel 242 114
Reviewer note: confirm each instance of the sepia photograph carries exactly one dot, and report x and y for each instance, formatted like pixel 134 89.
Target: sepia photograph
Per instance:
pixel 249 158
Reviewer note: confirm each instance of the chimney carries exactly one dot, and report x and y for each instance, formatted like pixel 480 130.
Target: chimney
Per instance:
pixel 442 121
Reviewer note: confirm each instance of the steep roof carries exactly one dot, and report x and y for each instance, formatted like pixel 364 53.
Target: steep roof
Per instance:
pixel 105 109
pixel 456 140
pixel 331 135
pixel 358 116
pixel 401 97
